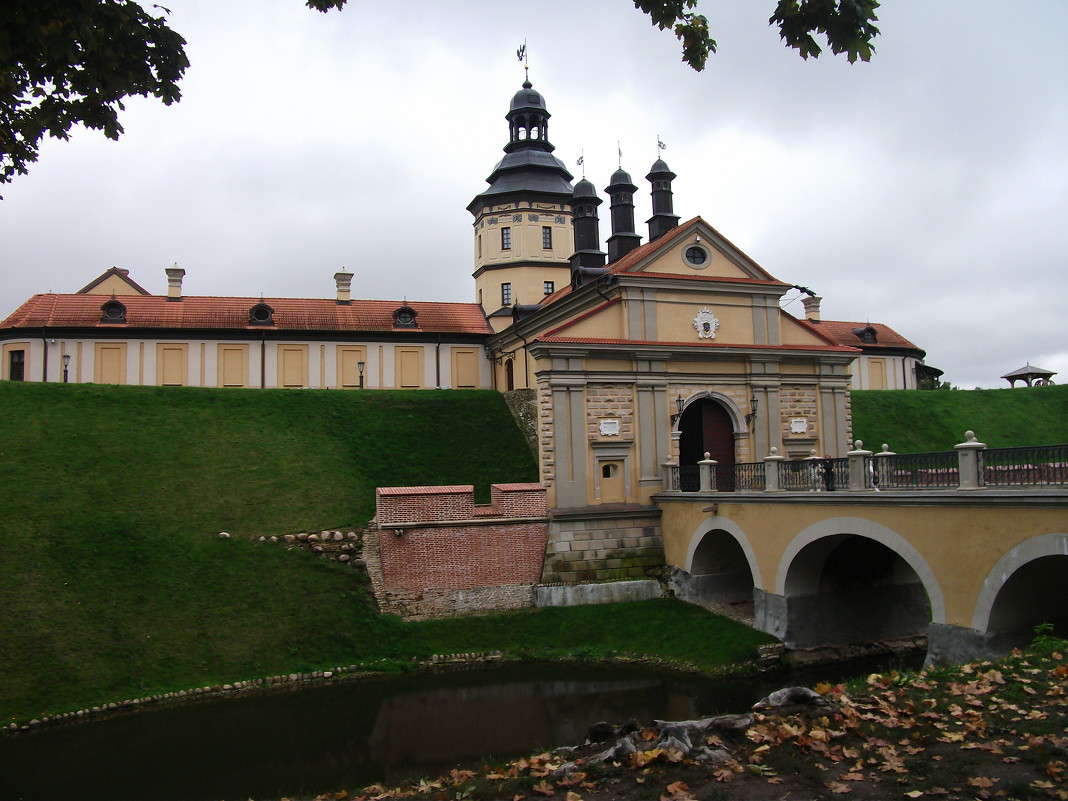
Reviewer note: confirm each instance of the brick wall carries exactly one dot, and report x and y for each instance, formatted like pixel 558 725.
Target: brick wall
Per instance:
pixel 436 553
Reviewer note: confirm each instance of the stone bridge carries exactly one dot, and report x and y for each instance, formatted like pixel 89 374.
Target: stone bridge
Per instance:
pixel 973 566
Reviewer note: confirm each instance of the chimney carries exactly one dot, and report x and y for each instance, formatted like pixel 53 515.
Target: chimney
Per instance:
pixel 344 284
pixel 812 307
pixel 174 282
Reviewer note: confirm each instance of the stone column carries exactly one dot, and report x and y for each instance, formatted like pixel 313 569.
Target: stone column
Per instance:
pixel 705 469
pixel 968 458
pixel 858 467
pixel 771 470
pixel 882 476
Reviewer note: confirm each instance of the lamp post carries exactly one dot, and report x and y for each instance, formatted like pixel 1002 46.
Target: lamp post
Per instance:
pixel 360 365
pixel 66 364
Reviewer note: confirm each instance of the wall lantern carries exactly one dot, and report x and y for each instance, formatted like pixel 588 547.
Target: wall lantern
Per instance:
pixel 359 366
pixel 66 365
pixel 680 404
pixel 754 403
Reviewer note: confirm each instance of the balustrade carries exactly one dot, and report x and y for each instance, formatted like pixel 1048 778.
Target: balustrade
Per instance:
pixel 970 466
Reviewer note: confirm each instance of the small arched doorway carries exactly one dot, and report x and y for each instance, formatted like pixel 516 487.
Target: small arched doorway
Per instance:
pixel 705 427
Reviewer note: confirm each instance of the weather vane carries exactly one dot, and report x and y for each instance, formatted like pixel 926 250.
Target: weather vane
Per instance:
pixel 521 53
pixel 582 161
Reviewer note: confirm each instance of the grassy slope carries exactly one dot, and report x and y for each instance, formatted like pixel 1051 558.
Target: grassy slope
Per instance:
pixel 916 422
pixel 114 585
pixel 111 579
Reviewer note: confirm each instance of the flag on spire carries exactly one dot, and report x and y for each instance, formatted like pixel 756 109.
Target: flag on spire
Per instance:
pixel 521 53
pixel 660 145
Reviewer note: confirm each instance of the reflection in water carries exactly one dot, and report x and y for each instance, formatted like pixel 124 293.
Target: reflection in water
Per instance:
pixel 302 741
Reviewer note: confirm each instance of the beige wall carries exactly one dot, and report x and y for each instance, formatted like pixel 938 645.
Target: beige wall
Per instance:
pixel 232 369
pixel 257 363
pixel 110 363
pixel 113 285
pixel 954 547
pixel 25 347
pixel 172 364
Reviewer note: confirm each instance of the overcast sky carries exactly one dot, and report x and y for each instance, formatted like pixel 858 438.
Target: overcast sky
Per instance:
pixel 927 190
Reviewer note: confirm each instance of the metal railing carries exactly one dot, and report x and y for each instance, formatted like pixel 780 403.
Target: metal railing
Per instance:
pixel 799 475
pixel 970 466
pixel 689 478
pixel 1019 467
pixel 746 476
pixel 913 471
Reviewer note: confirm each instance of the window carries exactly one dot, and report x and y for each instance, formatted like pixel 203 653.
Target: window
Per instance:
pixel 546 236
pixel 113 312
pixel 404 317
pixel 696 256
pixel 506 238
pixel 261 314
pixel 506 294
pixel 16 365
pixel 549 287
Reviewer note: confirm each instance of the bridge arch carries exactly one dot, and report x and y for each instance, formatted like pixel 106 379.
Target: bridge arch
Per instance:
pixel 720 565
pixel 835 527
pixel 848 579
pixel 1012 595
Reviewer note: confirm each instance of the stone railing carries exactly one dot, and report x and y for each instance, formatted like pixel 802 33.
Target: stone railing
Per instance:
pixel 970 466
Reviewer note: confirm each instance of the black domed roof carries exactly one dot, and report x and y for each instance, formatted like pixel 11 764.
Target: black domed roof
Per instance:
pixel 527 97
pixel 659 166
pixel 620 176
pixel 584 189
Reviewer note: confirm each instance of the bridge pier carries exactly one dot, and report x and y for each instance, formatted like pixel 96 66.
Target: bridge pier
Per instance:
pixel 843 616
pixel 954 645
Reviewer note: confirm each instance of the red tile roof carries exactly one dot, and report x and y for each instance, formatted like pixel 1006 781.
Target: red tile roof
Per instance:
pixel 842 333
pixel 290 314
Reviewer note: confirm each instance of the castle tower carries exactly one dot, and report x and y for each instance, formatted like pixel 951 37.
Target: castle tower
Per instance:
pixel 523 220
pixel 621 199
pixel 664 218
pixel 584 203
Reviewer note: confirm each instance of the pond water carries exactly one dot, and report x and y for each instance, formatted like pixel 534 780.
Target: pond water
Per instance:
pixel 300 741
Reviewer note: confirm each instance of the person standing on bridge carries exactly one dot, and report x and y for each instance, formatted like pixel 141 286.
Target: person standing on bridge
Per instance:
pixel 827 467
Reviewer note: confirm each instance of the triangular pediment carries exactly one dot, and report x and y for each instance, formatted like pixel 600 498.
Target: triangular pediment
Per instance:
pixel 695 250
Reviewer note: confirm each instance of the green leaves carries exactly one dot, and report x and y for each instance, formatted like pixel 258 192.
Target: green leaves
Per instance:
pixel 691 29
pixel 847 25
pixel 68 62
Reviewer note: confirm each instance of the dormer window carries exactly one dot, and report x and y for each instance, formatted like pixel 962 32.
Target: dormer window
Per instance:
pixel 261 314
pixel 867 335
pixel 404 317
pixel 113 312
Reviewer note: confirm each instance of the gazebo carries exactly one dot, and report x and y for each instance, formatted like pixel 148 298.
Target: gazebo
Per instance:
pixel 1031 376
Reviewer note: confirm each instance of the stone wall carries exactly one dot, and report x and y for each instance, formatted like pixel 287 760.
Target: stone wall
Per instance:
pixel 434 552
pixel 610 401
pixel 523 405
pixel 799 401
pixel 604 544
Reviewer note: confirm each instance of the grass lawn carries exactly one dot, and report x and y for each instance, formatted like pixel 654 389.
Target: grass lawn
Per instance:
pixel 918 422
pixel 115 584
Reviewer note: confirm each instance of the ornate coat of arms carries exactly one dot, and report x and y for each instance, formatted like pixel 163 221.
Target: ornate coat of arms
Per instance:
pixel 706 324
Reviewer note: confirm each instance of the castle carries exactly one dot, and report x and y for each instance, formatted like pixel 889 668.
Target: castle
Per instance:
pixel 637 355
